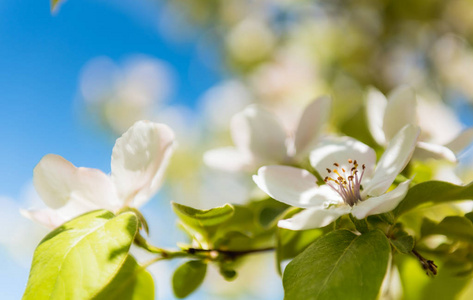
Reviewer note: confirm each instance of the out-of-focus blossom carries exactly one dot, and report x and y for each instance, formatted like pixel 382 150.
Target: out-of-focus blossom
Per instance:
pixel 139 159
pixel 122 95
pixel 453 58
pixel 222 101
pixel 260 138
pixel 387 116
pixel 250 41
pixel 353 184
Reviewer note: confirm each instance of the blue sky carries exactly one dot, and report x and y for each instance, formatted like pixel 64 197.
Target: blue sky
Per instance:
pixel 40 61
pixel 41 56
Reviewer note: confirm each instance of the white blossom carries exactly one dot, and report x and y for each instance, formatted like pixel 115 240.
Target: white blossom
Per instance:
pixel 387 115
pixel 260 139
pixel 139 159
pixel 353 183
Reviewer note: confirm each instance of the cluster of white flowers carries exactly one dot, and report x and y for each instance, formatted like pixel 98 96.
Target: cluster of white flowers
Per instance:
pixel 352 181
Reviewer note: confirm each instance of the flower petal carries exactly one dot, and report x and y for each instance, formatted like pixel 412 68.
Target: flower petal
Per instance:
pixel 257 132
pixel 394 160
pixel 376 104
pixel 59 182
pixel 340 150
pixel 381 204
pixel 314 217
pixel 314 117
pixel 426 151
pixel 463 140
pixel 228 159
pixel 400 111
pixel 47 217
pixel 293 186
pixel 139 159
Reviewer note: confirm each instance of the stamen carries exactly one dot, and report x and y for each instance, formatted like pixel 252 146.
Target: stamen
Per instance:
pixel 346 184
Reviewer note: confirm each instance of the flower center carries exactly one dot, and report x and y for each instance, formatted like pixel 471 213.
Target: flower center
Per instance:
pixel 347 184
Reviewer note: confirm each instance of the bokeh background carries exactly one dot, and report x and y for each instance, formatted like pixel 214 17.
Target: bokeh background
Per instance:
pixel 74 80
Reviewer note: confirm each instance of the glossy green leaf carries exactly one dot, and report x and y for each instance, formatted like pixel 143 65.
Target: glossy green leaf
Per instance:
pixel 188 277
pixel 133 282
pixel 339 265
pixel 81 257
pixel 433 192
pixel 203 218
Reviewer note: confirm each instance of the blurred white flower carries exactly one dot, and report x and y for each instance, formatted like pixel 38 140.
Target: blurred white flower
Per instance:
pixel 353 184
pixel 260 138
pixel 122 95
pixel 222 101
pixel 139 159
pixel 386 117
pixel 250 40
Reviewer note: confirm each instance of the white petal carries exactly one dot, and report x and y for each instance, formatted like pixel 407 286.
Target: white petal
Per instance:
pixel 58 182
pixel 293 186
pixel 426 151
pixel 228 159
pixel 313 119
pixel 47 217
pixel 340 150
pixel 376 104
pixel 394 160
pixel 381 204
pixel 463 140
pixel 401 110
pixel 256 132
pixel 139 159
pixel 314 217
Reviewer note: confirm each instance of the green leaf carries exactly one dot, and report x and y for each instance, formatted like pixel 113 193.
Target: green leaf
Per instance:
pixel 76 260
pixel 197 218
pixel 188 277
pixel 133 282
pixel 400 239
pixel 403 244
pixel 453 227
pixel 339 265
pixel 433 192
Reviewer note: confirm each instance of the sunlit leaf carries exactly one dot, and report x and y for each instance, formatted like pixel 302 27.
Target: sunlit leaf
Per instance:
pixel 339 265
pixel 203 218
pixel 78 259
pixel 133 282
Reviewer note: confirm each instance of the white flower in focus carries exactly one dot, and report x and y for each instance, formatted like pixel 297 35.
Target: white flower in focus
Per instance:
pixel 260 139
pixel 387 115
pixel 139 159
pixel 353 183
